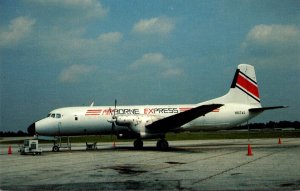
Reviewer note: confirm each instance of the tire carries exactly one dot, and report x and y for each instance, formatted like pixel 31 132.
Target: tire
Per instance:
pixel 162 145
pixel 55 148
pixel 138 144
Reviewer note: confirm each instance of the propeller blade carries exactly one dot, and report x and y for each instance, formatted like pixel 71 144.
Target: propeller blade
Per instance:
pixel 112 129
pixel 113 121
pixel 115 108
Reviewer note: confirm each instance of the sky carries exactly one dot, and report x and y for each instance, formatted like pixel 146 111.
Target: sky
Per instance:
pixel 60 53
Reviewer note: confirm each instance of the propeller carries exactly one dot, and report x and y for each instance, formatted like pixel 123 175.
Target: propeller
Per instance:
pixel 113 119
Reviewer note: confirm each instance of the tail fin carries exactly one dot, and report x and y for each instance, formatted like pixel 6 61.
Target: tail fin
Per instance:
pixel 244 88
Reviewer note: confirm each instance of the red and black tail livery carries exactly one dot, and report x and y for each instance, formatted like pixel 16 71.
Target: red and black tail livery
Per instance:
pixel 244 88
pixel 246 84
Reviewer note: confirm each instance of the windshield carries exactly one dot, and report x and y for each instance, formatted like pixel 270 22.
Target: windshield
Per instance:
pixel 54 115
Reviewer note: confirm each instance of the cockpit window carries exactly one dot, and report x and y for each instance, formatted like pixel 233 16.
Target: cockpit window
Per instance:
pixel 55 115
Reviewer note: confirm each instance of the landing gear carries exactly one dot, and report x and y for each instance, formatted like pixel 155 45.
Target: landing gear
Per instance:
pixel 138 144
pixel 55 148
pixel 162 144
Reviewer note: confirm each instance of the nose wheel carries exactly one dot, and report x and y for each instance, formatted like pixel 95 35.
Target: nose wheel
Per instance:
pixel 162 144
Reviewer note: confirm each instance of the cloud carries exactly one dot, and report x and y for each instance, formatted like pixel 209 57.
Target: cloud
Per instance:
pixel 272 45
pixel 59 44
pixel 111 37
pixel 60 31
pixel 65 12
pixel 158 62
pixel 18 29
pixel 156 25
pixel 71 46
pixel 273 33
pixel 75 73
pixel 150 59
pixel 173 72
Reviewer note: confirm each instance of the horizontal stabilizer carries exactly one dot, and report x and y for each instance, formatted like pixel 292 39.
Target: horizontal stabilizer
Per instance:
pixel 177 120
pixel 261 109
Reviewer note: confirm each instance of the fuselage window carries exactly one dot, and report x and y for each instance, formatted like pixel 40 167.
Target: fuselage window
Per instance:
pixel 58 115
pixel 53 115
pixel 49 115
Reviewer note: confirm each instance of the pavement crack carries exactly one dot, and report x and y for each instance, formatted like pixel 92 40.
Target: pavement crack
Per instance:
pixel 233 168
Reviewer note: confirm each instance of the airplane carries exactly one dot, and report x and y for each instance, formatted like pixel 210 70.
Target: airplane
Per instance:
pixel 139 122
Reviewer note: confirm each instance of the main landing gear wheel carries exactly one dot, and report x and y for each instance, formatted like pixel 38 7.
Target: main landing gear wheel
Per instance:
pixel 138 144
pixel 55 148
pixel 162 144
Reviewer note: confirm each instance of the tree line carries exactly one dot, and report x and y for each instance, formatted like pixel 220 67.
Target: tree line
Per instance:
pixel 13 134
pixel 271 125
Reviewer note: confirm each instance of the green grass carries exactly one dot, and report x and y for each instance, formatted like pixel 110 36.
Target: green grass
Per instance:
pixel 186 136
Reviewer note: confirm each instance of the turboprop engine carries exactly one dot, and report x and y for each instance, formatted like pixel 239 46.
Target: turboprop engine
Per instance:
pixel 137 123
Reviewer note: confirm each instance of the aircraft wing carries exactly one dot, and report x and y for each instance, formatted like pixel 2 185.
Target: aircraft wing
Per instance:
pixel 177 120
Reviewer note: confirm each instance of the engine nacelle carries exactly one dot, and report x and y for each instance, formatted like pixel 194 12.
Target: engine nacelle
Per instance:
pixel 126 120
pixel 137 123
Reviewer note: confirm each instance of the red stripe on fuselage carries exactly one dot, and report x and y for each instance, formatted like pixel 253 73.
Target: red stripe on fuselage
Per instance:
pixel 248 85
pixel 184 109
pixel 93 112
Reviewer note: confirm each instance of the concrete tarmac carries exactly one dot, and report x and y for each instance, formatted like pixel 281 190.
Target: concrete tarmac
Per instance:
pixel 188 165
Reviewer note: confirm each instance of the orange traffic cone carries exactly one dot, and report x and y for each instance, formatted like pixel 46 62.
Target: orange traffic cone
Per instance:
pixel 279 141
pixel 249 150
pixel 9 150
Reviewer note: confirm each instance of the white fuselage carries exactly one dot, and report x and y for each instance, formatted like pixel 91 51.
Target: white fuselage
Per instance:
pixel 241 103
pixel 95 120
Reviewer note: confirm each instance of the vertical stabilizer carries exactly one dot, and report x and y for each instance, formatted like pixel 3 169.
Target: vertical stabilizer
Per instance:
pixel 244 88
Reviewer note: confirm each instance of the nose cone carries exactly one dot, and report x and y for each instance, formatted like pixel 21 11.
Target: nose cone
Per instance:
pixel 31 129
